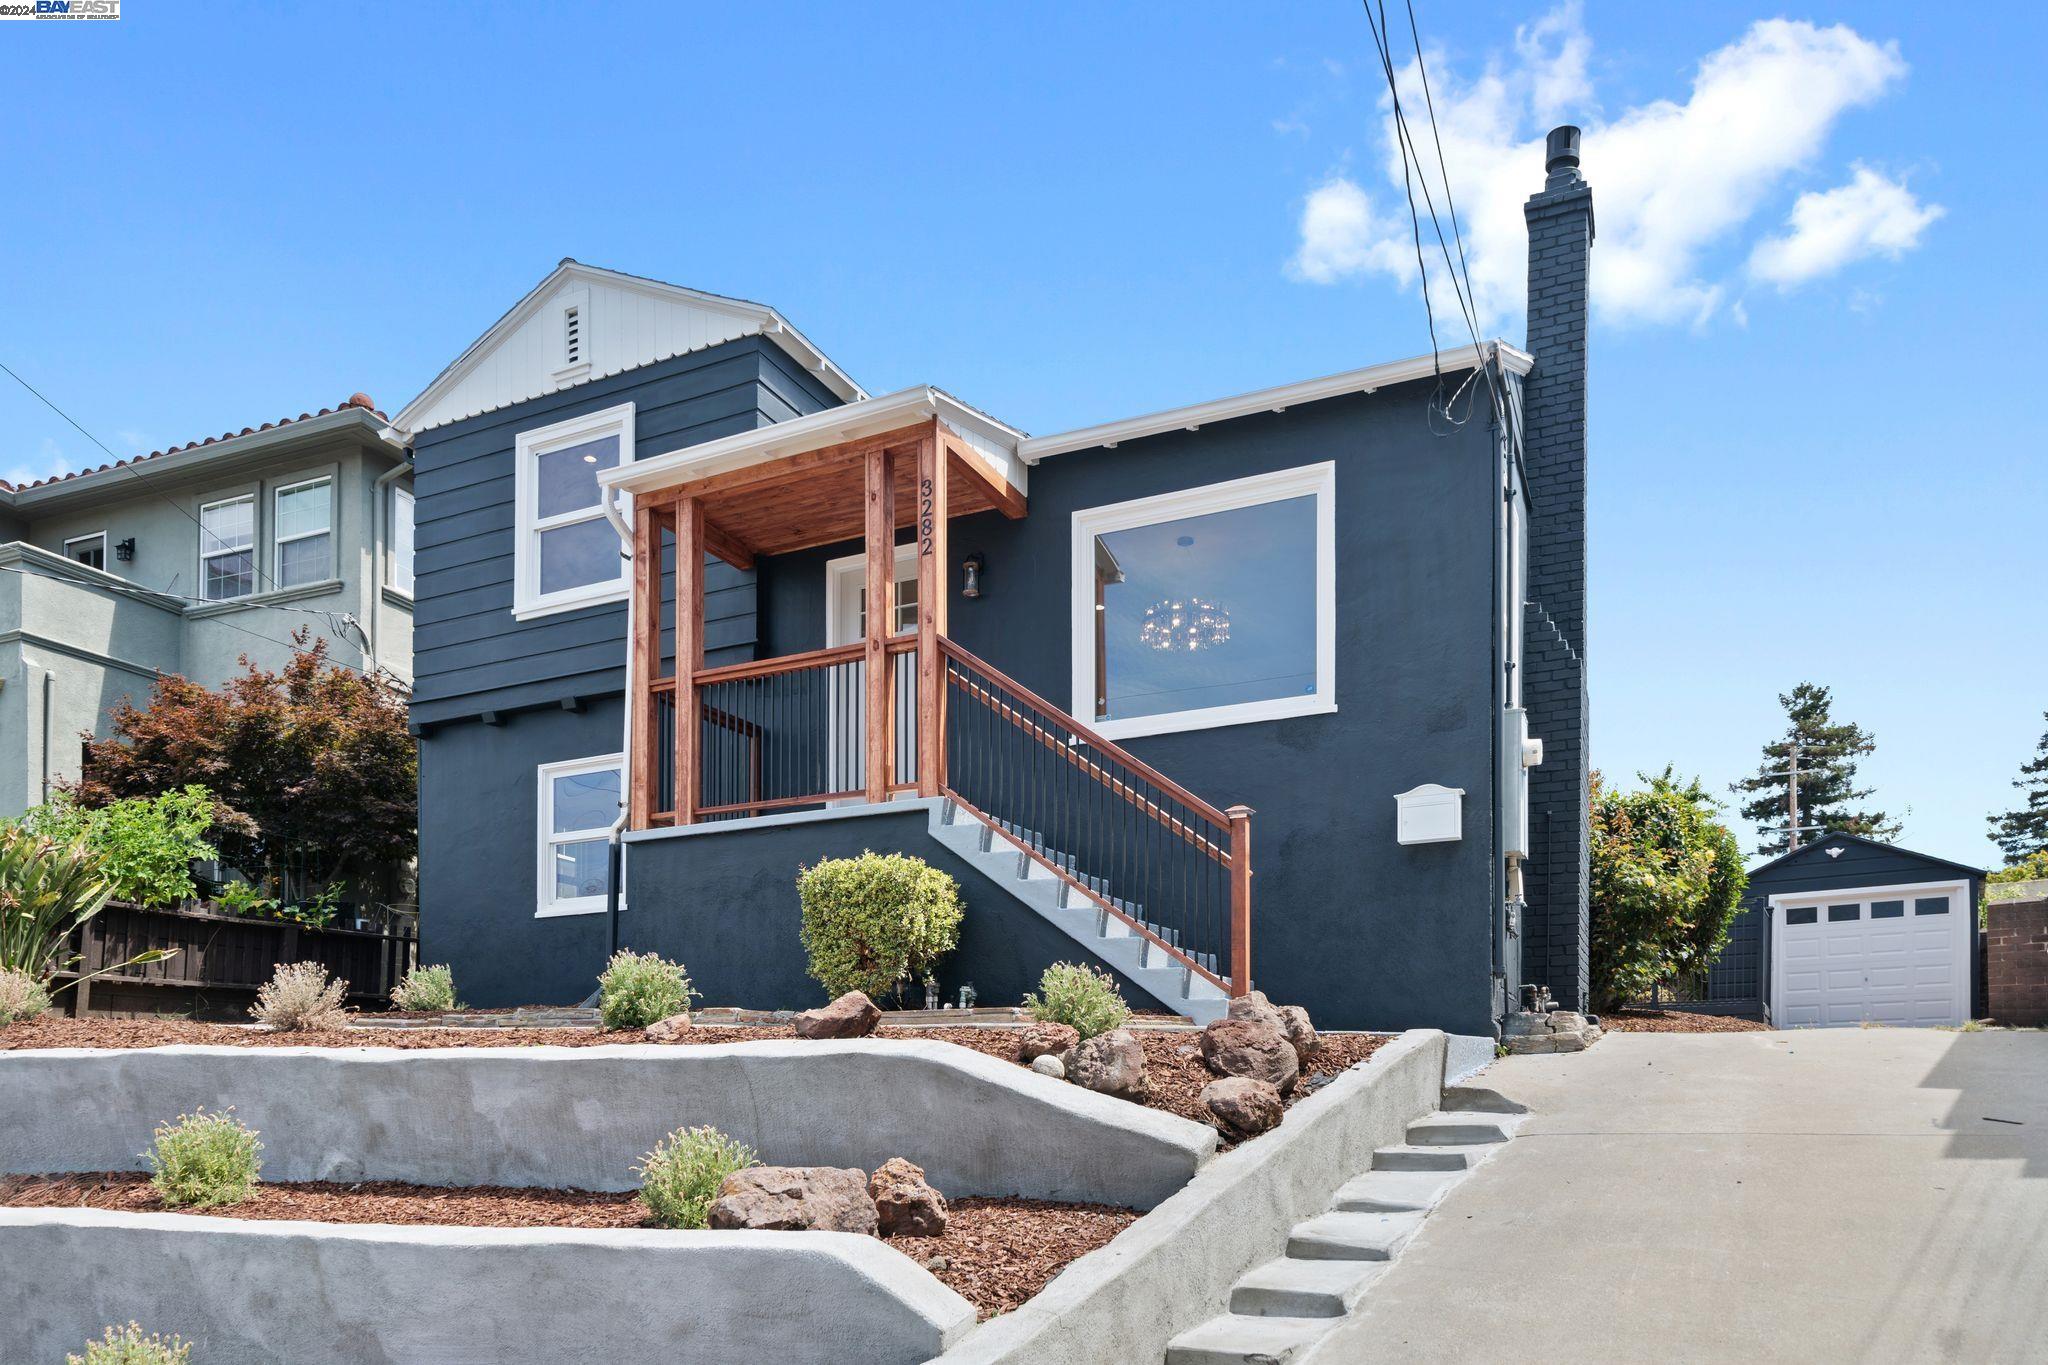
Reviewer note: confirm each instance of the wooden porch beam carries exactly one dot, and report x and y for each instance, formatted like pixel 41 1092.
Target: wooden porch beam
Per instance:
pixel 643 663
pixel 689 651
pixel 728 547
pixel 933 552
pixel 968 462
pixel 879 522
pixel 790 466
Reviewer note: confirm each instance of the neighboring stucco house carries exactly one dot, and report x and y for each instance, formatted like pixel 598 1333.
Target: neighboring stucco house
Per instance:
pixel 185 560
pixel 1149 690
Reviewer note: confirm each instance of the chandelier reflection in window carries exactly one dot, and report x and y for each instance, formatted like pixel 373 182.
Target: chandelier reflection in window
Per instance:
pixel 1183 625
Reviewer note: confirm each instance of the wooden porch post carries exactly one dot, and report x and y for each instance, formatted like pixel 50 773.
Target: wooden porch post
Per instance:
pixel 644 662
pixel 689 652
pixel 880 530
pixel 932 552
pixel 1240 899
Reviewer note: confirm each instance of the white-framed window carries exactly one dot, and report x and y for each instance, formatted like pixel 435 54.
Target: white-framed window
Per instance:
pixel 567 554
pixel 401 539
pixel 579 800
pixel 90 551
pixel 303 519
pixel 227 548
pixel 1209 606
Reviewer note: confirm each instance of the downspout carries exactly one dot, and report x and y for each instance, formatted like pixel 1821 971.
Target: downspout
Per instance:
pixel 615 853
pixel 49 686
pixel 380 535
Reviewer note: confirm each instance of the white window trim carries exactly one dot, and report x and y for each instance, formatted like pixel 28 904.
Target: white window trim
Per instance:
pixel 527 599
pixel 278 542
pixel 545 905
pixel 396 492
pixel 101 537
pixel 1962 922
pixel 1317 480
pixel 254 547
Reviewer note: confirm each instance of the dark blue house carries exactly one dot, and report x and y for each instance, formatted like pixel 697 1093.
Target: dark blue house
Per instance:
pixel 1284 689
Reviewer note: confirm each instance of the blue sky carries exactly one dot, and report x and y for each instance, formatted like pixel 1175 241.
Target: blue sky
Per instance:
pixel 1819 302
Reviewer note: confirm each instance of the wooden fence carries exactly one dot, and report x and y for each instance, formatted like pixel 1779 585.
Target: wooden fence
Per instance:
pixel 227 953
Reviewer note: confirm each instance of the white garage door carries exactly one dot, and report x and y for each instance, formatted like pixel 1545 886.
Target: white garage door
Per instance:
pixel 1883 955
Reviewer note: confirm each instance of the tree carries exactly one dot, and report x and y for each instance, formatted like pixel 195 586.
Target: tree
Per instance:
pixel 1827 756
pixel 2023 832
pixel 1667 881
pixel 312 767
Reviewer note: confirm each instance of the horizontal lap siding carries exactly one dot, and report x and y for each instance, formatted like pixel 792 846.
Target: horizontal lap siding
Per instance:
pixel 469 654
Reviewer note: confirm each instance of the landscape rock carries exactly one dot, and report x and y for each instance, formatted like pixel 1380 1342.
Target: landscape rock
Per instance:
pixel 1524 1044
pixel 1255 1047
pixel 1566 1021
pixel 904 1203
pixel 795 1199
pixel 1110 1063
pixel 852 1015
pixel 1572 1041
pixel 1254 1005
pixel 669 1030
pixel 1050 1066
pixel 1294 1022
pixel 1045 1039
pixel 1246 1106
pixel 1528 1024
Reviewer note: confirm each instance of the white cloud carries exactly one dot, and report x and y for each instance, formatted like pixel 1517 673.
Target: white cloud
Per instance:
pixel 1675 183
pixel 50 460
pixel 1870 216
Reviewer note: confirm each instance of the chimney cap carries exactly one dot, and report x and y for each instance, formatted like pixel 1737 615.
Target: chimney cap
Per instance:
pixel 1561 149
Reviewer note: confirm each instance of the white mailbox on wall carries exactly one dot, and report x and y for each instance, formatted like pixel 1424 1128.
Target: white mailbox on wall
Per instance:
pixel 1430 814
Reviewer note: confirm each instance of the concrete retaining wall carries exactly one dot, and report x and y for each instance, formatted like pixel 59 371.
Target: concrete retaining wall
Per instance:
pixel 249 1293
pixel 581 1117
pixel 1174 1267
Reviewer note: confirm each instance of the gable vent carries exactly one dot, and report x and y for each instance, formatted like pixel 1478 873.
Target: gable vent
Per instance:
pixel 572 335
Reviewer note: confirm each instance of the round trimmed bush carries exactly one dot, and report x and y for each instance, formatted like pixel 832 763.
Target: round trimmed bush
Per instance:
pixel 638 989
pixel 681 1176
pixel 128 1346
pixel 426 988
pixel 873 922
pixel 21 996
pixel 1083 997
pixel 204 1160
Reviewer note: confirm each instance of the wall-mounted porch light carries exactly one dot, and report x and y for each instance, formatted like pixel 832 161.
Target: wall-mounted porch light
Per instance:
pixel 970 576
pixel 124 550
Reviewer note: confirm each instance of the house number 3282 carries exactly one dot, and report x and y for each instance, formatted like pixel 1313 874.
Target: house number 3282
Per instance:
pixel 924 516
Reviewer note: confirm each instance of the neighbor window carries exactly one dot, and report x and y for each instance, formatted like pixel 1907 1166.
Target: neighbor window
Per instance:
pixel 1213 606
pixel 567 554
pixel 227 549
pixel 305 539
pixel 90 551
pixel 401 540
pixel 579 801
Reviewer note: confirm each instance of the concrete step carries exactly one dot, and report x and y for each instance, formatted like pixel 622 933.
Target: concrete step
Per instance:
pixel 1287 1288
pixel 1455 1130
pixel 1234 1339
pixel 1352 1236
pixel 1394 1191
pixel 1425 1158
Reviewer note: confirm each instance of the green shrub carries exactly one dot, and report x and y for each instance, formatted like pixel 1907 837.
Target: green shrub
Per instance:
pixel 127 1346
pixel 21 996
pixel 1667 879
pixel 426 988
pixel 300 996
pixel 681 1176
pixel 240 898
pixel 203 1160
pixel 874 922
pixel 47 888
pixel 638 989
pixel 1087 999
pixel 147 844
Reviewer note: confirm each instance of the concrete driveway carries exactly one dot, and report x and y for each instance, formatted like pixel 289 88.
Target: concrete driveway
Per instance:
pixel 1824 1195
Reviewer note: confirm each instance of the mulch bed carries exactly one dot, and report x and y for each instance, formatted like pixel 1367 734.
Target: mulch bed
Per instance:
pixel 996 1253
pixel 1677 1021
pixel 1174 1071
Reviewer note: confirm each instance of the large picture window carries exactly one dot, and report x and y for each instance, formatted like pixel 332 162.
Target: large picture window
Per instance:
pixel 579 800
pixel 227 549
pixel 567 553
pixel 1212 606
pixel 305 533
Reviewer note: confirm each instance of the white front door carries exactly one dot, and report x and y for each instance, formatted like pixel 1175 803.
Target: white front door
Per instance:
pixel 846 623
pixel 1883 955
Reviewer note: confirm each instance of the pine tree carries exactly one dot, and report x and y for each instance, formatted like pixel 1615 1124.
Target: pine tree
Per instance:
pixel 1828 754
pixel 2024 832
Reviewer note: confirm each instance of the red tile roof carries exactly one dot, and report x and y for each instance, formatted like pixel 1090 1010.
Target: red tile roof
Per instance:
pixel 359 400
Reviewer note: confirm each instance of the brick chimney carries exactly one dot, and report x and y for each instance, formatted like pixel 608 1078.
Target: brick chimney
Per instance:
pixel 1555 924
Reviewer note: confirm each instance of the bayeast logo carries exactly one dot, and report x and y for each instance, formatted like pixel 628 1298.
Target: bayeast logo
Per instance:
pixel 62 9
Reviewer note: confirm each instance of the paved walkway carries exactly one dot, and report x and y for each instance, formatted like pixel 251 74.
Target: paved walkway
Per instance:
pixel 1825 1195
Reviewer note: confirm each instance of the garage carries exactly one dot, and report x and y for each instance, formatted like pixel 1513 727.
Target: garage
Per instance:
pixel 1849 931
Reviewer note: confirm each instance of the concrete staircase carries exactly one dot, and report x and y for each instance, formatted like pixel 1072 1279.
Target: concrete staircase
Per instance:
pixel 1279 1310
pixel 1083 916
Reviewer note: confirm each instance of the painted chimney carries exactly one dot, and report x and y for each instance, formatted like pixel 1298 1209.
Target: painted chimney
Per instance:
pixel 1556 876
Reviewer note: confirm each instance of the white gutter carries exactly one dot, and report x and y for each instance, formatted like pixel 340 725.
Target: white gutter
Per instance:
pixel 625 531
